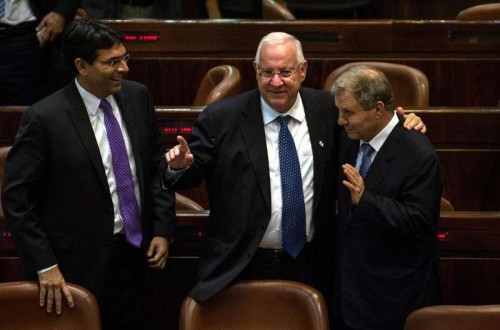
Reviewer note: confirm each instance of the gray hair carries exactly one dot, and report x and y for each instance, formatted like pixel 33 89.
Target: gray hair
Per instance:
pixel 278 38
pixel 368 86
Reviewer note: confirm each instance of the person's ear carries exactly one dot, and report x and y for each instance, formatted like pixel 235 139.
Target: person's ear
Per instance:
pixel 81 66
pixel 380 109
pixel 303 70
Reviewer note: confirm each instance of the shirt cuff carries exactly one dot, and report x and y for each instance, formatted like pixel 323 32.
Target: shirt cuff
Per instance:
pixel 46 269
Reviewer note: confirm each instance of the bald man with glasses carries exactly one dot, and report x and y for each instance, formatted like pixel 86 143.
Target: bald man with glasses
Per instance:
pixel 269 159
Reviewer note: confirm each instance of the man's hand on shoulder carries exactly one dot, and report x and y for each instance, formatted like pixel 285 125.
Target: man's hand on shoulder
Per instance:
pixel 412 121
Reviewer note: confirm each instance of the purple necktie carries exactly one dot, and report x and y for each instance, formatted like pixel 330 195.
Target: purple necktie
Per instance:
pixel 129 207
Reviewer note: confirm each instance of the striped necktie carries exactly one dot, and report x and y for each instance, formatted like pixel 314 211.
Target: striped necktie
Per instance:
pixel 2 8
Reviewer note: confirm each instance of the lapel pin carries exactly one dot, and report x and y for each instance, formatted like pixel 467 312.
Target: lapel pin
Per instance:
pixel 321 144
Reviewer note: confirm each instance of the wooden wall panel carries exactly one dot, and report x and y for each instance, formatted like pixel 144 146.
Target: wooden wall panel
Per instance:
pixel 470 281
pixel 453 82
pixel 468 174
pixel 460 59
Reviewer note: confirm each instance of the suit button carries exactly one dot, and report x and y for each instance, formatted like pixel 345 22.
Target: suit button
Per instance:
pixel 262 228
pixel 249 256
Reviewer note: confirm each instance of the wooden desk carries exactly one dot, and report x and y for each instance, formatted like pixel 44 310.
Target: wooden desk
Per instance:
pixel 467 141
pixel 468 145
pixel 470 257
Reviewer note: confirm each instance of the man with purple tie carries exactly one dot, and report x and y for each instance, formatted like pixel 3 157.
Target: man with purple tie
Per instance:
pixel 82 192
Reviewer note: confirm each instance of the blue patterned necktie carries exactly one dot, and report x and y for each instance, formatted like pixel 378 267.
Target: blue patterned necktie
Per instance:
pixel 129 208
pixel 293 222
pixel 2 8
pixel 366 160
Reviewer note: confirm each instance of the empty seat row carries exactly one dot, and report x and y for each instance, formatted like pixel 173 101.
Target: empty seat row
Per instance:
pixel 410 85
pixel 266 304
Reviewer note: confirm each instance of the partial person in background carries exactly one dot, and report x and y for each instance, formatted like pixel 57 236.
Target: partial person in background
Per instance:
pixel 101 9
pixel 167 9
pixel 388 208
pixel 241 8
pixel 82 193
pixel 161 9
pixel 136 9
pixel 29 31
pixel 125 9
pixel 251 9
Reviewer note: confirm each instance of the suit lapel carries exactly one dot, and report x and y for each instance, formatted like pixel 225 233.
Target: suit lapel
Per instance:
pixel 377 172
pixel 319 138
pixel 79 116
pixel 254 137
pixel 380 166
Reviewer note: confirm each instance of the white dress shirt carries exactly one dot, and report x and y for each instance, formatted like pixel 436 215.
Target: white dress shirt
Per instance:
pixel 378 140
pixel 300 133
pixel 17 11
pixel 97 121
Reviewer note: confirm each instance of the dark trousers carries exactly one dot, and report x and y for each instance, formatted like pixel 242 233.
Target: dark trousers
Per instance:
pixel 126 297
pixel 20 65
pixel 277 264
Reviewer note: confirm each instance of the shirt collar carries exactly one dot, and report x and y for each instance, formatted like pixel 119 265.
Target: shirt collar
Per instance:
pixel 91 101
pixel 296 111
pixel 380 138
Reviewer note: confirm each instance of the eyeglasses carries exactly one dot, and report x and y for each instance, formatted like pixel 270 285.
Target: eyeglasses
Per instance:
pixel 287 73
pixel 114 61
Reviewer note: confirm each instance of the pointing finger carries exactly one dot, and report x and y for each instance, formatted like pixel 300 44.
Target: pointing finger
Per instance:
pixel 183 144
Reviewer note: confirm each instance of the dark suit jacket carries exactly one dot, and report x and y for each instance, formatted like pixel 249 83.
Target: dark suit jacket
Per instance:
pixel 388 241
pixel 229 148
pixel 56 196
